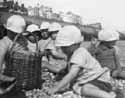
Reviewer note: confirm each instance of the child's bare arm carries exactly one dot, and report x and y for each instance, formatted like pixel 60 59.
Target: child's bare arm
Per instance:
pixel 117 70
pixel 117 59
pixel 68 78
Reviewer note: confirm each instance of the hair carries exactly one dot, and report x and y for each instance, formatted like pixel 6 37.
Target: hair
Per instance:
pixel 3 31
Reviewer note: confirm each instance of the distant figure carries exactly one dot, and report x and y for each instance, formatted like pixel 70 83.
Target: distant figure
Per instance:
pixel 16 6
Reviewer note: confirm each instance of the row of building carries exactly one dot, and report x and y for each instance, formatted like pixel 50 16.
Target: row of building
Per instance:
pixel 47 12
pixel 42 11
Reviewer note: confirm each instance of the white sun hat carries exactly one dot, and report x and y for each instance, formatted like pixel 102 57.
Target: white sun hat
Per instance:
pixel 32 28
pixel 108 35
pixel 68 35
pixel 44 25
pixel 16 23
pixel 54 27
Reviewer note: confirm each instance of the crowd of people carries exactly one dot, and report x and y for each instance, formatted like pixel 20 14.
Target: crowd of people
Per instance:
pixel 31 55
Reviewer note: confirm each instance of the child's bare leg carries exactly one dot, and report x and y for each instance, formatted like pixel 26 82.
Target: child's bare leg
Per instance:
pixel 93 91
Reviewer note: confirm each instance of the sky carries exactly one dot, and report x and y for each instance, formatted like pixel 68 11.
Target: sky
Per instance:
pixel 109 12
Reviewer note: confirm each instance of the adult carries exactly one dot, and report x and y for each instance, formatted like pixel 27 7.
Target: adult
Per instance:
pixel 20 63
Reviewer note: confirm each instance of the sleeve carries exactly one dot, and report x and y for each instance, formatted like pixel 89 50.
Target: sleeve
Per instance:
pixel 79 58
pixel 4 45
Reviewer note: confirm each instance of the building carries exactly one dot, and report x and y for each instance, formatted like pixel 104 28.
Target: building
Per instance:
pixel 56 16
pixel 41 11
pixel 45 11
pixel 33 11
pixel 71 17
pixel 30 11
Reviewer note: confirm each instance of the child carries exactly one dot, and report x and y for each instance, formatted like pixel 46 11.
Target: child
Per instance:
pixel 45 40
pixel 53 62
pixel 56 58
pixel 85 73
pixel 44 30
pixel 33 35
pixel 107 53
